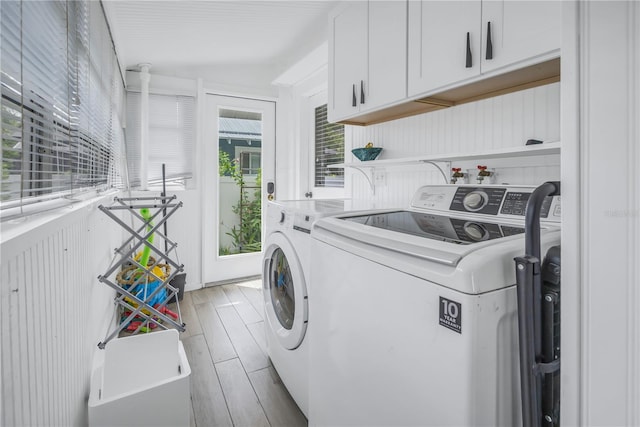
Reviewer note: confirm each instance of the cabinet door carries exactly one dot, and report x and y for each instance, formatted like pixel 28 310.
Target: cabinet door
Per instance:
pixel 347 58
pixel 520 30
pixel 438 43
pixel 387 59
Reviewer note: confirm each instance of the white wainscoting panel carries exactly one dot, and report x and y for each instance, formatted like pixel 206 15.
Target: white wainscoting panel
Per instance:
pixel 494 123
pixel 53 313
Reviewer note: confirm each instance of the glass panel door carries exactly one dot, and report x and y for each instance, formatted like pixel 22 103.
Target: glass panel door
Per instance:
pixel 238 156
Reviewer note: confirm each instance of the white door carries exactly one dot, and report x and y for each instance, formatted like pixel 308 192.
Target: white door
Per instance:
pixel 238 167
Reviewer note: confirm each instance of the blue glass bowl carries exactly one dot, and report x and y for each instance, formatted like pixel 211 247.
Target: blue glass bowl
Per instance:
pixel 365 154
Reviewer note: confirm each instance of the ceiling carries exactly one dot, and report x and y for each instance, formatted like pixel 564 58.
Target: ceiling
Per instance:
pixel 188 34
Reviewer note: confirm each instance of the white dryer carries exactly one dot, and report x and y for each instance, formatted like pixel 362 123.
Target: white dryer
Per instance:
pixel 285 278
pixel 415 312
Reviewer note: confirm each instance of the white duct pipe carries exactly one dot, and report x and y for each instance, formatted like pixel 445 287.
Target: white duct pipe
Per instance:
pixel 145 77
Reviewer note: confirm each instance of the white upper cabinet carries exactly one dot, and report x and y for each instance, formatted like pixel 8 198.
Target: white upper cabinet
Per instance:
pixel 444 43
pixel 520 31
pixel 367 57
pixel 387 62
pixel 347 59
pixel 390 59
pixel 500 34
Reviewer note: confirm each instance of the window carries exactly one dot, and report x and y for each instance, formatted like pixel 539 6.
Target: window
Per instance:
pixel 171 137
pixel 62 93
pixel 329 149
pixel 249 160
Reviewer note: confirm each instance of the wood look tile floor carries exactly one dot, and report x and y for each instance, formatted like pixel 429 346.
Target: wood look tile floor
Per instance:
pixel 233 382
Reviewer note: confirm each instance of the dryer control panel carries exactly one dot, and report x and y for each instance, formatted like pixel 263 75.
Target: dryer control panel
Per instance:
pixel 516 203
pixel 495 200
pixel 484 200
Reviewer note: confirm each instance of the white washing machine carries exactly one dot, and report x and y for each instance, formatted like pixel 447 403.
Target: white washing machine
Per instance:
pixel 285 278
pixel 415 319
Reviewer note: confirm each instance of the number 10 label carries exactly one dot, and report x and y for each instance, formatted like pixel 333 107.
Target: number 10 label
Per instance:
pixel 451 315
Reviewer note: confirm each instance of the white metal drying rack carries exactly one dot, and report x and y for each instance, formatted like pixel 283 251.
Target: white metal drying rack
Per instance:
pixel 164 208
pixel 367 168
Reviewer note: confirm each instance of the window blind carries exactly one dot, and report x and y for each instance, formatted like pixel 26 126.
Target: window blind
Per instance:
pixel 329 149
pixel 171 136
pixel 61 101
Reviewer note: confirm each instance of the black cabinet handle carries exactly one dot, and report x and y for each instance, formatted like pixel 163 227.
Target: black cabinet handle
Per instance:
pixel 361 91
pixel 469 62
pixel 354 102
pixel 489 54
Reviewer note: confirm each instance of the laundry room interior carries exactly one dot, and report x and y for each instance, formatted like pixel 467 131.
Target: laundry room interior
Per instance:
pixel 324 213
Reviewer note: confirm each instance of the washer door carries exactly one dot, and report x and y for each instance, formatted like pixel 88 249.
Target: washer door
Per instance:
pixel 285 291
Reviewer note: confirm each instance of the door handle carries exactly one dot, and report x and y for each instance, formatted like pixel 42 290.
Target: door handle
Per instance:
pixel 468 63
pixel 489 54
pixel 361 91
pixel 308 194
pixel 271 188
pixel 354 102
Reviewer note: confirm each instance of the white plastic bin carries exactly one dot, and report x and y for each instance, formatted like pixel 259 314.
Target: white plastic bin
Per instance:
pixel 141 380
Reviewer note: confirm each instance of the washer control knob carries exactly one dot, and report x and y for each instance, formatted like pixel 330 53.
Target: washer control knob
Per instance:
pixel 475 200
pixel 476 232
pixel 282 217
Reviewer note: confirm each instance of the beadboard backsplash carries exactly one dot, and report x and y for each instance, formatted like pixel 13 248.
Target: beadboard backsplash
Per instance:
pixel 500 122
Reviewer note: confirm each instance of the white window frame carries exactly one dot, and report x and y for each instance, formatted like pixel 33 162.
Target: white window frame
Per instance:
pixel 314 101
pixel 247 149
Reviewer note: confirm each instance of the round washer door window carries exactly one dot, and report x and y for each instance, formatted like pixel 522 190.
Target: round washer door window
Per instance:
pixel 281 288
pixel 285 293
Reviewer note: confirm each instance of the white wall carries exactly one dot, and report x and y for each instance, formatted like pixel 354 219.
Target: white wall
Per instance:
pixel 500 122
pixel 293 135
pixel 53 311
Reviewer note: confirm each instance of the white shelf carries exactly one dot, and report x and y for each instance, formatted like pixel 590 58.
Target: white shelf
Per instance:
pixel 543 149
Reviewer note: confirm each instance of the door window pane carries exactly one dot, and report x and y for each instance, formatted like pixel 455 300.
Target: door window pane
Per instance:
pixel 240 197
